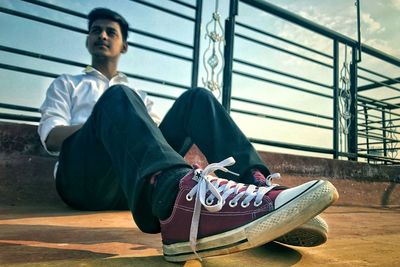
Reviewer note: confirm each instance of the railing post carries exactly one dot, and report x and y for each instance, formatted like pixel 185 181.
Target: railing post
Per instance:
pixel 196 43
pixel 385 154
pixel 335 99
pixel 353 129
pixel 366 130
pixel 228 54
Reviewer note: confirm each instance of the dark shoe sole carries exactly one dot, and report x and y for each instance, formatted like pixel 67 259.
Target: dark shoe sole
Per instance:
pixel 312 233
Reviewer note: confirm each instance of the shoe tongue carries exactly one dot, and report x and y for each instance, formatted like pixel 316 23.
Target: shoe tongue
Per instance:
pixel 189 179
pixel 259 178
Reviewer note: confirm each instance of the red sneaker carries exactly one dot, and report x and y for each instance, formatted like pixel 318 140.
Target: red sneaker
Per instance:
pixel 214 216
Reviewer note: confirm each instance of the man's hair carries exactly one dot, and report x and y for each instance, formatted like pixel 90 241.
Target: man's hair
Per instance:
pixel 105 13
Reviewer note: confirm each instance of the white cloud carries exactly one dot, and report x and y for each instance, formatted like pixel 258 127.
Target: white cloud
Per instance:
pixel 372 25
pixel 396 4
pixel 383 46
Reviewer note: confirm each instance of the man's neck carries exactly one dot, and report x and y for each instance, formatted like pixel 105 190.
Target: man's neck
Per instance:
pixel 106 67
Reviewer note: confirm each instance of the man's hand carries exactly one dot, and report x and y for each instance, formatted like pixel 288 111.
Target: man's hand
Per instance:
pixel 58 134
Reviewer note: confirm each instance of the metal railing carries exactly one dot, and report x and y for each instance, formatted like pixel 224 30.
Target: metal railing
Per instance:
pixel 193 59
pixel 358 125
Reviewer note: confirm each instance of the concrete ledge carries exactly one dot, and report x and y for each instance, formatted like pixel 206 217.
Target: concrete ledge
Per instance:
pixel 20 139
pixel 338 169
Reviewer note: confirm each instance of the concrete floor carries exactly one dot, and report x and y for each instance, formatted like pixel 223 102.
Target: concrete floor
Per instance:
pixel 58 236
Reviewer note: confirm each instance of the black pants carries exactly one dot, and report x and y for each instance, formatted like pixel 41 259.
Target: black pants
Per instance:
pixel 106 164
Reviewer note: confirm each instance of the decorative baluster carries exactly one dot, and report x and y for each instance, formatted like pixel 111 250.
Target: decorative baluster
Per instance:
pixel 213 59
pixel 344 103
pixel 392 144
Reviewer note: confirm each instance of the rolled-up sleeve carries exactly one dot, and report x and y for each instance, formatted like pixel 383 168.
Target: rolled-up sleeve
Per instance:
pixel 56 108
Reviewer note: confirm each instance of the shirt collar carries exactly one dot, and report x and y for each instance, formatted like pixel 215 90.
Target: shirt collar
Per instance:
pixel 117 79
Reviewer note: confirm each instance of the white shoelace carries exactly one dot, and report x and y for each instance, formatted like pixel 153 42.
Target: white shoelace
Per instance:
pixel 220 189
pixel 269 178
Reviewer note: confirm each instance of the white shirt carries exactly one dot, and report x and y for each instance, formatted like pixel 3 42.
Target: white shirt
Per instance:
pixel 70 100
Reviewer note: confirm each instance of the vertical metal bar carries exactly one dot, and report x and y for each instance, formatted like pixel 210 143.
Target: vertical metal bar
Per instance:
pixel 358 31
pixel 335 99
pixel 384 134
pixel 366 129
pixel 228 55
pixel 196 43
pixel 353 129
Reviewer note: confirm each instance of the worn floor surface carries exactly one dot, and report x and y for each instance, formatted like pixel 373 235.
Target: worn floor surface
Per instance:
pixel 58 236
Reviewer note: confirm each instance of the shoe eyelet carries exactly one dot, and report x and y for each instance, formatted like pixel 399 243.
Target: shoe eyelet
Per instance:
pixel 245 205
pixel 232 204
pixel 189 198
pixel 256 204
pixel 209 201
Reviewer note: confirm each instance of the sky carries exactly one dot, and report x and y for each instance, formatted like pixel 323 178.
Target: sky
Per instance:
pixel 379 28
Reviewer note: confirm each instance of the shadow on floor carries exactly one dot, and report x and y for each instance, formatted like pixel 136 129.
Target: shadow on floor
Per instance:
pixel 44 245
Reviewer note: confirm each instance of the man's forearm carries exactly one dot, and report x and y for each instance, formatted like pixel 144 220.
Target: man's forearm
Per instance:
pixel 58 134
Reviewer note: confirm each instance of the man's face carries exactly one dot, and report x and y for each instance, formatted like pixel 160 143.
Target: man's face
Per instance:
pixel 105 39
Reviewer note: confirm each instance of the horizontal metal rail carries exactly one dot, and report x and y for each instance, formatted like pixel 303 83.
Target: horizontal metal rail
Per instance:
pixel 376 137
pixel 166 10
pixel 57 8
pixel 369 115
pixel 41 56
pixel 183 4
pixel 283 40
pixel 378 128
pixel 159 51
pixel 282 50
pixel 373 149
pixel 18 107
pixel 244 62
pixel 18 117
pixel 292 146
pixel 251 76
pixel 257 114
pixel 375 103
pixel 382 84
pixel 391 98
pixel 28 71
pixel 372 143
pixel 388 81
pixel 379 121
pixel 314 115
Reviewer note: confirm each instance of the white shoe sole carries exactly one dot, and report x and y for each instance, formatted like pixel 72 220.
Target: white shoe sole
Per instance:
pixel 313 233
pixel 317 197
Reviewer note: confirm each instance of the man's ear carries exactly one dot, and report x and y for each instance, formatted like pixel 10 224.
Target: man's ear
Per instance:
pixel 124 48
pixel 86 42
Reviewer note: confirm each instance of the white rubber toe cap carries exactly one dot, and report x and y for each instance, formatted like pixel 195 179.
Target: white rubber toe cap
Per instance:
pixel 291 193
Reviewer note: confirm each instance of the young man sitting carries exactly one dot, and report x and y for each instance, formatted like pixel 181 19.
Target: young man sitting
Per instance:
pixel 114 155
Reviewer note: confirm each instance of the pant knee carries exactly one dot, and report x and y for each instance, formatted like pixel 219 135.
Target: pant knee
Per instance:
pixel 115 91
pixel 117 95
pixel 199 93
